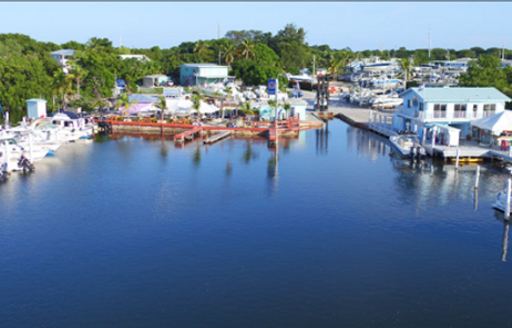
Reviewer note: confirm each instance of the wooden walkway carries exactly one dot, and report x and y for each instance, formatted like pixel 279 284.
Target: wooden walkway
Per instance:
pixel 188 134
pixel 217 137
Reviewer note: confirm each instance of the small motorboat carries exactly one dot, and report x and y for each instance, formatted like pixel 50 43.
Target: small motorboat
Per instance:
pixel 406 143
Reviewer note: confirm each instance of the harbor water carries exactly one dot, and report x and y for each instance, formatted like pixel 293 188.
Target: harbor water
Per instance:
pixel 330 231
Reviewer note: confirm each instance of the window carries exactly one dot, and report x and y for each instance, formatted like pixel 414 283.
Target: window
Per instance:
pixel 459 110
pixel 421 107
pixel 489 109
pixel 475 110
pixel 409 103
pixel 439 111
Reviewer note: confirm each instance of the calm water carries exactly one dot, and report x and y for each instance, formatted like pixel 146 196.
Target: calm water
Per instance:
pixel 132 233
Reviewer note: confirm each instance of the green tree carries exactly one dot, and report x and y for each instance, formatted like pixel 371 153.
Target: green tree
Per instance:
pixel 486 72
pixel 196 103
pixel 257 70
pixel 406 65
pixel 290 45
pixel 162 105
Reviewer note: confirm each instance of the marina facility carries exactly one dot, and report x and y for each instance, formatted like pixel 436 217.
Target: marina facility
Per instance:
pixel 229 165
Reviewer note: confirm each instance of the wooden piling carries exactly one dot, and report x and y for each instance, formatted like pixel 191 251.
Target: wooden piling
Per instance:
pixel 457 158
pixel 477 177
pixel 507 201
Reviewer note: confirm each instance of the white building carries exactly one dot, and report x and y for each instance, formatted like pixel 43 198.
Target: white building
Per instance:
pixel 455 107
pixel 62 57
pixel 199 74
pixel 36 108
pixel 143 58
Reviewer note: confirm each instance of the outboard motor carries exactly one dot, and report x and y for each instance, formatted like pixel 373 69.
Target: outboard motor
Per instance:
pixel 25 165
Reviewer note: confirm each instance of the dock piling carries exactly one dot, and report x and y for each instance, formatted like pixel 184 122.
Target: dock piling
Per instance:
pixel 477 177
pixel 509 190
pixel 457 158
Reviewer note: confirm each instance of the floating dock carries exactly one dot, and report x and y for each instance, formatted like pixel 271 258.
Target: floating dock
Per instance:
pixel 217 137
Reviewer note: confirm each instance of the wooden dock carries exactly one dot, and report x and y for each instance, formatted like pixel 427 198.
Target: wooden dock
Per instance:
pixel 217 137
pixel 187 135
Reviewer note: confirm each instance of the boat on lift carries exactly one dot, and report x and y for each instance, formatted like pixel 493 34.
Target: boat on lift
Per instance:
pixel 407 145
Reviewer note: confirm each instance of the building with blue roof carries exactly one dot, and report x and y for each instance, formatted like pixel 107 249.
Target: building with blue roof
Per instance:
pixel 456 107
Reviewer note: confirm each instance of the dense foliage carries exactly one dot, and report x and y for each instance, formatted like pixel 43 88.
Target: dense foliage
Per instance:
pixel 28 71
pixel 487 72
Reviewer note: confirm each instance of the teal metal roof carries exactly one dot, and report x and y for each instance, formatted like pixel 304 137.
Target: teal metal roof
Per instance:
pixel 459 94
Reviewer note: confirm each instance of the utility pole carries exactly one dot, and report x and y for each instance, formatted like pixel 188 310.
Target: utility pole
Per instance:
pixel 314 66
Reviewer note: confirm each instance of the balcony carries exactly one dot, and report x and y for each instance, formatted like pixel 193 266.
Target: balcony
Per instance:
pixel 439 114
pixel 460 114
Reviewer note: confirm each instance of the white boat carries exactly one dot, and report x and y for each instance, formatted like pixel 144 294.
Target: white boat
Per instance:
pixel 386 102
pixel 11 153
pixel 71 127
pixel 39 140
pixel 404 143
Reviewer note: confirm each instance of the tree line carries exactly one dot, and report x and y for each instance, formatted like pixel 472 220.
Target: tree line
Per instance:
pixel 28 71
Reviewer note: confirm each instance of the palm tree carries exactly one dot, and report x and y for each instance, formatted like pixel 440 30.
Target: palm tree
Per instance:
pixel 201 50
pixel 123 101
pixel 59 86
pixel 229 94
pixel 196 103
pixel 162 104
pixel 273 104
pixel 229 53
pixel 287 107
pixel 246 107
pixel 246 49
pixel 339 61
pixel 77 73
pixel 406 65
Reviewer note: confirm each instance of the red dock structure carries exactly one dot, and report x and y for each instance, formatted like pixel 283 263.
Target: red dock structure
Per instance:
pixel 188 134
pixel 271 129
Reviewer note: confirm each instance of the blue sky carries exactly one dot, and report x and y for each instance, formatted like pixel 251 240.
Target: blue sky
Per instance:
pixel 357 25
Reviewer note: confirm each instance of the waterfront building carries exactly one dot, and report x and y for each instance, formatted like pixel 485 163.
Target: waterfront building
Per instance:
pixel 155 80
pixel 143 58
pixel 62 57
pixel 456 107
pixel 200 74
pixel 36 108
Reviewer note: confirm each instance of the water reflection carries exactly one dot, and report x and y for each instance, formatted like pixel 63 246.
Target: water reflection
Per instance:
pixel 249 153
pixel 164 148
pixel 506 227
pixel 322 139
pixel 367 143
pixel 229 168
pixel 505 235
pixel 273 167
pixel 196 156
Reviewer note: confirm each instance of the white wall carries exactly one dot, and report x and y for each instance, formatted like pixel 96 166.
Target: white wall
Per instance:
pixel 213 72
